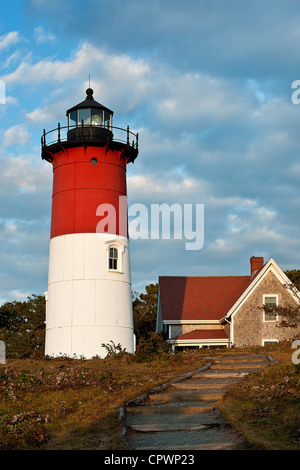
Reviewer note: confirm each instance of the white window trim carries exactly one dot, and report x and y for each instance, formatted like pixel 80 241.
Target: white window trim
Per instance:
pixel 113 258
pixel 121 248
pixel 276 318
pixel 273 340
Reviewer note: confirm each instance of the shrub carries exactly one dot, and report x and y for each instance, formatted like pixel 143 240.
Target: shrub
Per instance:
pixel 114 351
pixel 152 348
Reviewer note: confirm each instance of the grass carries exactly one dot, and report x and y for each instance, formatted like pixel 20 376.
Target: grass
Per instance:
pixel 265 406
pixel 64 404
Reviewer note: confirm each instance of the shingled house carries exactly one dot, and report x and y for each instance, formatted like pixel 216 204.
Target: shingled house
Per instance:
pixel 225 310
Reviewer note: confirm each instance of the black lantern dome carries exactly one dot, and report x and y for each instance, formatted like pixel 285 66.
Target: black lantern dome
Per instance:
pixel 90 112
pixel 89 118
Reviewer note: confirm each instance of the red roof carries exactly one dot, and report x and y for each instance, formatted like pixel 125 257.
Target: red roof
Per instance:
pixel 199 298
pixel 203 334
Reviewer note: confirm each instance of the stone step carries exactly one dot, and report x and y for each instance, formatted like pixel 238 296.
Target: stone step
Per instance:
pixel 166 427
pixel 213 396
pixel 174 408
pixel 216 380
pixel 217 446
pixel 174 420
pixel 201 386
pixel 235 366
pixel 237 359
pixel 215 438
pixel 220 375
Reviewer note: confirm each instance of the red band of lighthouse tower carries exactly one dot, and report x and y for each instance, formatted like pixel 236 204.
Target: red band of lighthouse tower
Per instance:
pixel 89 283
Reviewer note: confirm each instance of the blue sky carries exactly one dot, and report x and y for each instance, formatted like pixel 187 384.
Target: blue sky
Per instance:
pixel 206 83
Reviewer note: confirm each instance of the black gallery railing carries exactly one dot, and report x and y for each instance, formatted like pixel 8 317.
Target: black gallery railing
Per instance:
pixel 89 133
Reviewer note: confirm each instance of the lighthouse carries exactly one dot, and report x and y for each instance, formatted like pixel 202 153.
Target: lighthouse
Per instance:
pixel 88 302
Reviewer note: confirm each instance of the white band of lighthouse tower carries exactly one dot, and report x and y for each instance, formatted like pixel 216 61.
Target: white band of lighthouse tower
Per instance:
pixel 89 304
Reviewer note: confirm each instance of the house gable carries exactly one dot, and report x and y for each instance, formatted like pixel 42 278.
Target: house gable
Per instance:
pixel 270 266
pixel 249 325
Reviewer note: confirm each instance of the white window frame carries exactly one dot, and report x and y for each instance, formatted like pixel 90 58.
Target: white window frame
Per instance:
pixel 276 318
pixel 117 258
pixel 120 249
pixel 272 340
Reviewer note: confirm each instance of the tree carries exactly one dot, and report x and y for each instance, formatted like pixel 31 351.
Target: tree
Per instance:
pixel 144 312
pixel 22 327
pixel 294 276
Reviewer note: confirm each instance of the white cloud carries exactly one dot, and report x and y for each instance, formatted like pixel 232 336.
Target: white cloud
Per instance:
pixel 188 97
pixel 13 58
pixel 16 135
pixel 9 39
pixel 55 70
pixel 42 37
pixel 167 99
pixel 184 99
pixel 11 100
pixel 19 295
pixel 43 115
pixel 153 189
pixel 23 174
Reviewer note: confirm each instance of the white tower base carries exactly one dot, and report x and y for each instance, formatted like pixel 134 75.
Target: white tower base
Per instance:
pixel 88 302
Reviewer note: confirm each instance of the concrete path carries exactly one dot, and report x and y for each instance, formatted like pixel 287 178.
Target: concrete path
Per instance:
pixel 183 413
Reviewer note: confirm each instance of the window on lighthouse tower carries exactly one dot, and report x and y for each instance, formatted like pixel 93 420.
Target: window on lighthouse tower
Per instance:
pixel 113 258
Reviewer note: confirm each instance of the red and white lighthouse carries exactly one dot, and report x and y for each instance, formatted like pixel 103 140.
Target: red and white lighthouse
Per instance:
pixel 88 302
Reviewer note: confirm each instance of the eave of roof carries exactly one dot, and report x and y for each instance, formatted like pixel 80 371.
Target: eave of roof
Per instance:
pixel 202 335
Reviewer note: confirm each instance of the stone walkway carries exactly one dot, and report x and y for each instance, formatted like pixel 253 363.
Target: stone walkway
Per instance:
pixel 183 413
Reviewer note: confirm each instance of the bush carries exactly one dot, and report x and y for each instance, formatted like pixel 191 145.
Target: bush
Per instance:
pixel 114 351
pixel 152 348
pixel 147 350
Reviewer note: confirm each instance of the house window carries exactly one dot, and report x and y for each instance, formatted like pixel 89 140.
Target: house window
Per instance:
pixel 270 301
pixel 113 258
pixel 266 342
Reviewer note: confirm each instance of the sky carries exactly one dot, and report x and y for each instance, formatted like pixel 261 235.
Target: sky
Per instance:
pixel 207 84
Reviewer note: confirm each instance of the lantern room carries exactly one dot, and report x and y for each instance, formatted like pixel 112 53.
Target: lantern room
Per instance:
pixel 90 113
pixel 89 118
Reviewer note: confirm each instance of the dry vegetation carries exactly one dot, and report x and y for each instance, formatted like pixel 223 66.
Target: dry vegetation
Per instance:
pixel 74 404
pixel 265 407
